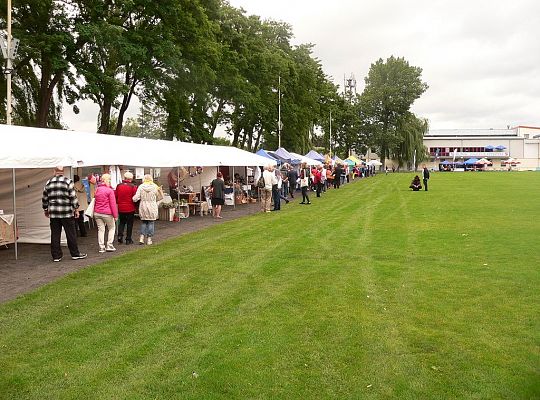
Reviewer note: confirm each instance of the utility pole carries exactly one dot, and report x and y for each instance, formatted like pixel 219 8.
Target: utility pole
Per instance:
pixel 8 64
pixel 279 111
pixel 330 134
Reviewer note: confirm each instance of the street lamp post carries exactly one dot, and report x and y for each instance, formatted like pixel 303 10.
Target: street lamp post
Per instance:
pixel 330 137
pixel 8 64
pixel 279 111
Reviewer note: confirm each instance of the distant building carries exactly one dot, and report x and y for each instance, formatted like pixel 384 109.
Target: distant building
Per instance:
pixel 521 143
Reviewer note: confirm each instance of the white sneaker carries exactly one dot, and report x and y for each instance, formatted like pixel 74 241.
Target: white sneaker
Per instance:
pixel 110 248
pixel 101 250
pixel 141 239
pixel 149 241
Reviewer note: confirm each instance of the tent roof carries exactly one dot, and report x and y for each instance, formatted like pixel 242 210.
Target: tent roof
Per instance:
pixel 264 153
pixel 315 156
pixel 25 147
pixel 354 159
pixel 286 156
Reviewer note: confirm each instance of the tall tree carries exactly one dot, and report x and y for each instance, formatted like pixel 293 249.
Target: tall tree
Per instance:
pixel 411 147
pixel 391 88
pixel 43 73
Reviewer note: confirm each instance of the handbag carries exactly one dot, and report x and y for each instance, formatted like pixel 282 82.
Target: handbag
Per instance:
pixel 89 212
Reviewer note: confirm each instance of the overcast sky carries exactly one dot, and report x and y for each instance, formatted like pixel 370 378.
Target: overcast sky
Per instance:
pixel 481 59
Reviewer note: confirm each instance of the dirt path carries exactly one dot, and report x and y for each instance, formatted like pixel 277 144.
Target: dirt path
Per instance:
pixel 35 267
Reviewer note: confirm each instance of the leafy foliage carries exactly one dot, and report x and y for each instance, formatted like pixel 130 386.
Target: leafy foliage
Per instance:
pixel 197 65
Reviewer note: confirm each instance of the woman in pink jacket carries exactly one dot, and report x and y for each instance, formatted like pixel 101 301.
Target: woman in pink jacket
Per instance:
pixel 105 213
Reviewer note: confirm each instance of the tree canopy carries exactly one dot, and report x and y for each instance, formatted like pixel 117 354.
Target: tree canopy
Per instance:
pixel 197 66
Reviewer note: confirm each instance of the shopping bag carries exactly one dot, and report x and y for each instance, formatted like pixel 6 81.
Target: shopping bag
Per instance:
pixel 89 212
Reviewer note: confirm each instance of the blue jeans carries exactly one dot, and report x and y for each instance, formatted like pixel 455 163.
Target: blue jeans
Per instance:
pixel 147 228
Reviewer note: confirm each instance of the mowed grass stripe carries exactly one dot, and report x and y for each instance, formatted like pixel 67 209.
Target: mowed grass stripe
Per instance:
pixel 276 305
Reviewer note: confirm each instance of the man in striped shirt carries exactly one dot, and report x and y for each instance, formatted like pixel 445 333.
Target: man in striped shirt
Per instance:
pixel 60 205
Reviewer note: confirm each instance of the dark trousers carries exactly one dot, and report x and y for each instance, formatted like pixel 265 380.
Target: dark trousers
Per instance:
pixel 56 231
pixel 292 187
pixel 276 198
pixel 80 223
pixel 425 184
pixel 305 197
pixel 125 219
pixel 337 182
pixel 319 188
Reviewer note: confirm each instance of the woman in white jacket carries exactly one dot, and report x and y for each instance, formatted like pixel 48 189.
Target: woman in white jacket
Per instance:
pixel 148 194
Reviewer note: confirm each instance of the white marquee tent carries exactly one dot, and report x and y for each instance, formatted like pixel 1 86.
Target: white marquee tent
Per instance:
pixel 28 154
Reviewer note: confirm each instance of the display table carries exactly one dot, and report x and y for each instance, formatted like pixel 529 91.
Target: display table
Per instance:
pixel 189 197
pixel 182 211
pixel 195 208
pixel 7 233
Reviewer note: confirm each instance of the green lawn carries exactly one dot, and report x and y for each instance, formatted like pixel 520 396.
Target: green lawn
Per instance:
pixel 372 292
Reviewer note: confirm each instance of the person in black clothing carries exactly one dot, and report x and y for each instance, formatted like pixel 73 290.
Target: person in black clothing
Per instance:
pixel 415 184
pixel 425 177
pixel 337 176
pixel 293 177
pixel 218 194
pixel 304 184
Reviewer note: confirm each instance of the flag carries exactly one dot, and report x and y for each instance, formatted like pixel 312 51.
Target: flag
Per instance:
pixel 455 153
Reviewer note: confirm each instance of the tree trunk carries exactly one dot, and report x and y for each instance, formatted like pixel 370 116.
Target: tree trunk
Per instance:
pixel 104 123
pixel 216 117
pixel 46 90
pixel 124 107
pixel 236 135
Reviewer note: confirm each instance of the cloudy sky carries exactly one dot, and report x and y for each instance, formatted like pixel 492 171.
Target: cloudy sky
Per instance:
pixel 481 59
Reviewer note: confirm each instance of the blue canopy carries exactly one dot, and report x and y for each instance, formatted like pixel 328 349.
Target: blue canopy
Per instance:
pixel 471 161
pixel 316 156
pixel 500 147
pixel 263 153
pixel 446 162
pixel 489 147
pixel 286 156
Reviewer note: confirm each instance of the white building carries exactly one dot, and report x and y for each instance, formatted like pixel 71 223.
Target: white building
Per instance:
pixel 521 143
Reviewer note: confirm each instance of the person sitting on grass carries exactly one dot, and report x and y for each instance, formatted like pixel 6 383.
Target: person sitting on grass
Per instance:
pixel 415 184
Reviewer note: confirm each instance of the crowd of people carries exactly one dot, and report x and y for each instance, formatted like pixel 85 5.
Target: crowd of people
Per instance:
pixel 280 183
pixel 65 202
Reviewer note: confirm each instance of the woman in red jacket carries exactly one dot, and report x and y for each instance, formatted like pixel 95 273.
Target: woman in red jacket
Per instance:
pixel 126 207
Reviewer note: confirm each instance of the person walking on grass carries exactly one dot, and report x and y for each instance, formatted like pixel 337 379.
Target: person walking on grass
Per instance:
pixel 126 207
pixel 218 194
pixel 304 184
pixel 266 192
pixel 425 177
pixel 105 213
pixel 60 205
pixel 292 176
pixel 148 194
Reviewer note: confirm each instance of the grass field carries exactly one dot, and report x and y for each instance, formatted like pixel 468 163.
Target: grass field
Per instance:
pixel 372 292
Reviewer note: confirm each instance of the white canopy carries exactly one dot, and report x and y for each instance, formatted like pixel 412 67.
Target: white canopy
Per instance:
pixel 24 147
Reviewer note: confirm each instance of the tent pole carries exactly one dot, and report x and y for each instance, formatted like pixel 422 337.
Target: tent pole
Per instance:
pixel 15 215
pixel 233 194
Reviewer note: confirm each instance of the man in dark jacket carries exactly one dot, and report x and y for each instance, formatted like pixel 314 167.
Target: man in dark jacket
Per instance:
pixel 337 176
pixel 293 177
pixel 425 176
pixel 126 207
